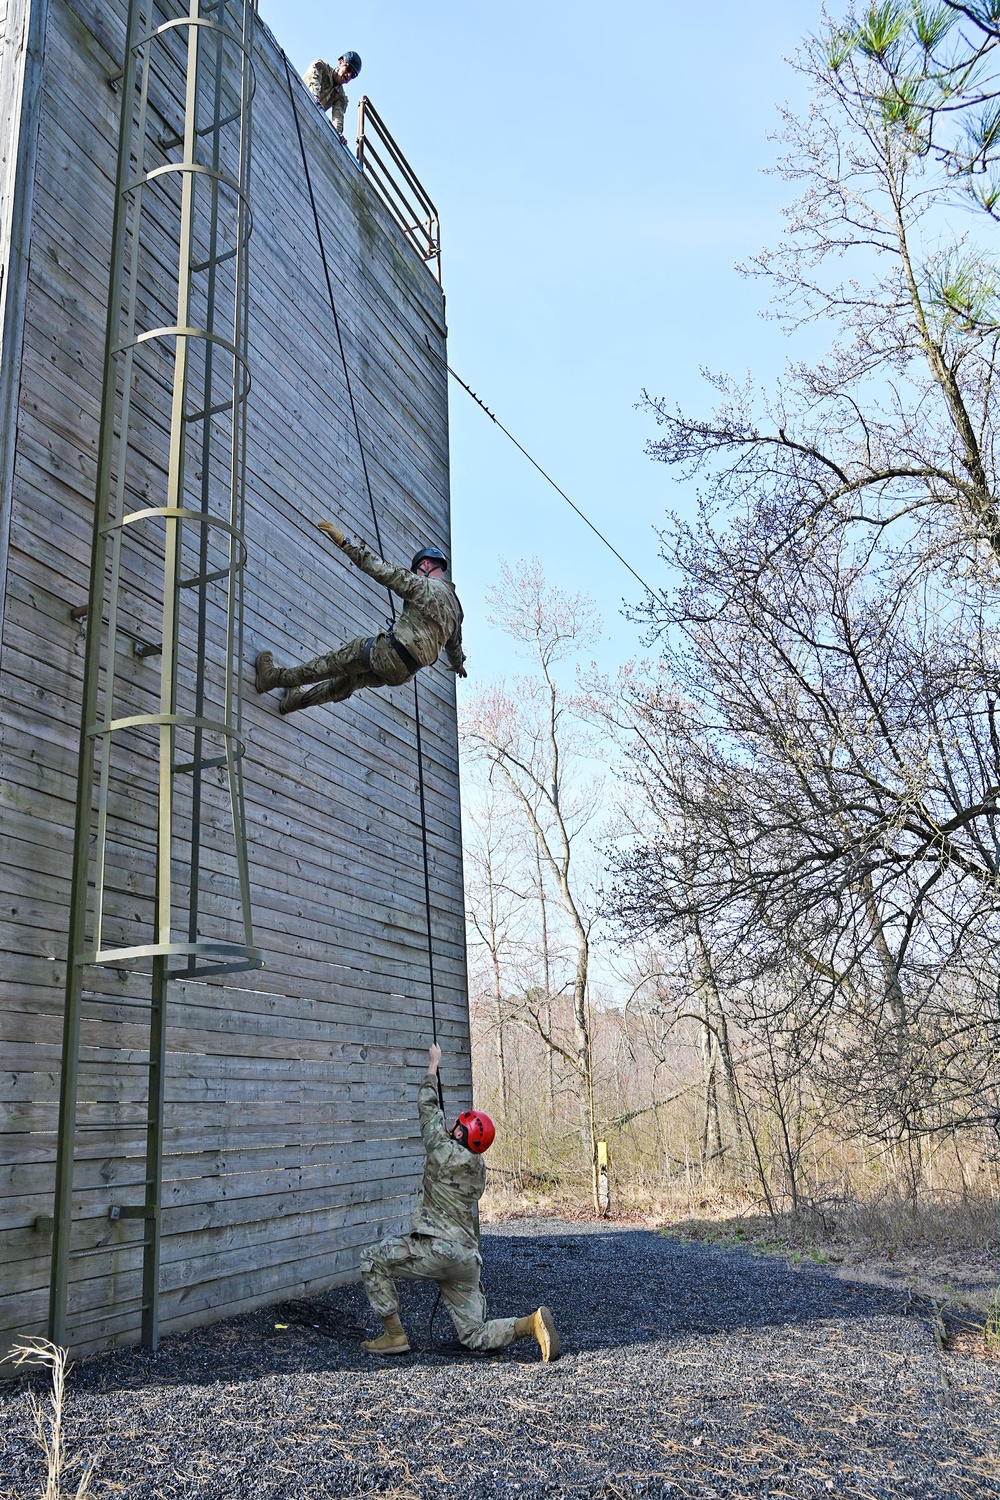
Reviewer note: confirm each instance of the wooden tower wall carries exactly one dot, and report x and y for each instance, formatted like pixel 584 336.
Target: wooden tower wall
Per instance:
pixel 290 1117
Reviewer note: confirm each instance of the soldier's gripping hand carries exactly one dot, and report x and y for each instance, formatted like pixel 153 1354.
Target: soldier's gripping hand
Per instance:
pixel 433 1057
pixel 333 532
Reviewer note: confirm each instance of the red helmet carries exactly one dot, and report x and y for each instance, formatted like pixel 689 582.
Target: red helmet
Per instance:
pixel 478 1130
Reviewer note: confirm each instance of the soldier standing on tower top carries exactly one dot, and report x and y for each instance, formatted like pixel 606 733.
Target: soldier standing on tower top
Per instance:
pixel 327 86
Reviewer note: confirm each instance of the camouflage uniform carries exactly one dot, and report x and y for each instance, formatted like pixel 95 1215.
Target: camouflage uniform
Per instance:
pixel 442 1244
pixel 431 618
pixel 328 93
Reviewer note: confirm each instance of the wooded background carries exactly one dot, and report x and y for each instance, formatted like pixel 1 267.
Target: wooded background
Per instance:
pixel 735 906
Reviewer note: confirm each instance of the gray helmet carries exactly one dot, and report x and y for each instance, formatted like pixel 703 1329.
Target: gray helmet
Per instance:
pixel 434 553
pixel 353 61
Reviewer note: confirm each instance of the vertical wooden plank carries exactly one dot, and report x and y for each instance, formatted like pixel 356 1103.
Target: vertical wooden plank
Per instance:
pixel 21 60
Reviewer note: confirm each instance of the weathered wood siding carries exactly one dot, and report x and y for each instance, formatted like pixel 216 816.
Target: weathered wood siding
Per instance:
pixel 290 1113
pixel 12 17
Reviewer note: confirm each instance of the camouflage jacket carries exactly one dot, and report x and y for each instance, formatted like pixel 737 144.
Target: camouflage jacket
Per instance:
pixel 431 617
pixel 454 1178
pixel 328 93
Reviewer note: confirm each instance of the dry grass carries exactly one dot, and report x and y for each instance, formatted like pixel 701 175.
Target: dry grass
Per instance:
pixel 968 1336
pixel 47 1421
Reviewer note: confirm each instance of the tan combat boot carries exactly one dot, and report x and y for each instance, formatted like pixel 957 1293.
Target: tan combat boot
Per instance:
pixel 540 1325
pixel 393 1341
pixel 265 673
pixel 292 700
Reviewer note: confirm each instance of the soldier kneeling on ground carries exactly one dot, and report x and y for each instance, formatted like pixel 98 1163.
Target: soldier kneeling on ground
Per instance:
pixel 431 619
pixel 443 1242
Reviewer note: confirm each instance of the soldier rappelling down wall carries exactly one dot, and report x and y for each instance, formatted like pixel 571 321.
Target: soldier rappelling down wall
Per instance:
pixel 431 620
pixel 443 1242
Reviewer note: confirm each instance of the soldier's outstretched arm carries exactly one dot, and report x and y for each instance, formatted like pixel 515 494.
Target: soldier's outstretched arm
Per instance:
pixel 402 582
pixel 432 1126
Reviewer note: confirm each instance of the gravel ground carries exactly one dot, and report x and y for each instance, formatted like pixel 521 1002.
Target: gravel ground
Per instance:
pixel 687 1371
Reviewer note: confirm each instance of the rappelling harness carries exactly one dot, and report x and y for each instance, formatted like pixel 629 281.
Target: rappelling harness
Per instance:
pixel 406 657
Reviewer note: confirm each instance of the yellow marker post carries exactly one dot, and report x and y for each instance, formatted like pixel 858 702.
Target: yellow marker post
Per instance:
pixel 603 1180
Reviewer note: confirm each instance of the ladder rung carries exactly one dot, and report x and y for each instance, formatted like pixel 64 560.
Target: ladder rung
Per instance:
pixel 121 890
pixel 218 260
pixel 220 124
pixel 114 1247
pixel 190 583
pixel 171 142
pixel 108 1187
pixel 208 411
pixel 209 764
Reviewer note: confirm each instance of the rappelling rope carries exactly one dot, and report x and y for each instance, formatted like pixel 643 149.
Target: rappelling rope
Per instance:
pixel 333 309
pixel 378 540
pixel 427 869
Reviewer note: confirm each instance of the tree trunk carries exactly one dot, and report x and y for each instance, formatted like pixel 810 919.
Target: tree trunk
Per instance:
pixel 711 1133
pixel 710 1050
pixel 498 1039
pixel 550 1057
pixel 584 1057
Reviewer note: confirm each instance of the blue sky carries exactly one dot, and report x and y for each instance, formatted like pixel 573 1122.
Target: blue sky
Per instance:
pixel 598 173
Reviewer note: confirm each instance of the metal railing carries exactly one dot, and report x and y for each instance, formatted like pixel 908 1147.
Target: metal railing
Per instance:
pixel 397 186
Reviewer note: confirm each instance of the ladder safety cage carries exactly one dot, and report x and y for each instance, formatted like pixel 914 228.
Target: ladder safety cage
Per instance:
pixel 397 186
pixel 160 874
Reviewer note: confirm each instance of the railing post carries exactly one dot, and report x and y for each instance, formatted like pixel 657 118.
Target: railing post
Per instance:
pixel 393 183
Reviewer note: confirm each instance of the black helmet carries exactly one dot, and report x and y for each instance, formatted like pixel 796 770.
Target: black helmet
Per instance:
pixel 434 553
pixel 353 61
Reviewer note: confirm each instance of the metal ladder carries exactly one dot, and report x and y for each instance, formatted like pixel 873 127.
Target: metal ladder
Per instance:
pixel 160 887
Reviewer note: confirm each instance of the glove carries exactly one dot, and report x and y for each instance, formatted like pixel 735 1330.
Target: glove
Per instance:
pixel 333 532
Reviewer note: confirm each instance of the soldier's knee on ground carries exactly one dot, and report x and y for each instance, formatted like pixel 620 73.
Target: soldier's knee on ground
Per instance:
pixel 476 1338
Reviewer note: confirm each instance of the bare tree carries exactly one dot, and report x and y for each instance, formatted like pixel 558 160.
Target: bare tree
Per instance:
pixel 892 436
pixel 835 837
pixel 807 875
pixel 532 740
pixel 495 901
pixel 830 676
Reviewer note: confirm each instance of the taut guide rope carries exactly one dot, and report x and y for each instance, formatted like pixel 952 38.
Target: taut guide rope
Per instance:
pixel 545 475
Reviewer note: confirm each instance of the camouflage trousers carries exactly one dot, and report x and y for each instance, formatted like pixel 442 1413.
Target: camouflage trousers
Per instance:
pixel 327 92
pixel 339 673
pixel 454 1267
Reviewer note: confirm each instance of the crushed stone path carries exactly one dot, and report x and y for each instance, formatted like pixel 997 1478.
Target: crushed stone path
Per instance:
pixel 687 1371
